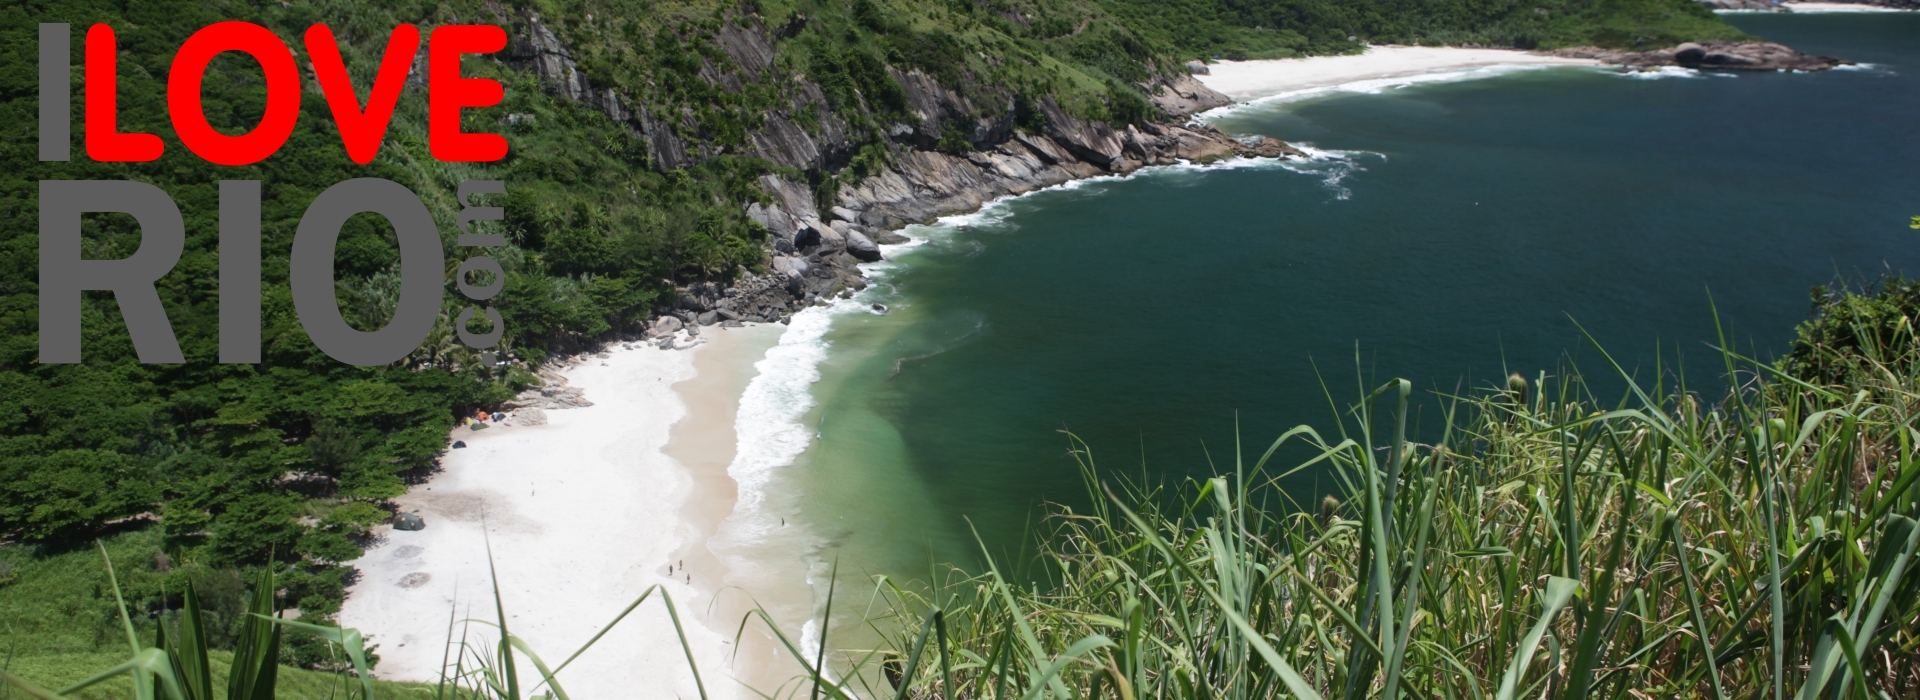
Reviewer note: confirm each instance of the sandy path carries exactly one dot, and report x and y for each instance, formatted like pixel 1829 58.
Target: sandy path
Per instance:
pixel 1246 80
pixel 583 514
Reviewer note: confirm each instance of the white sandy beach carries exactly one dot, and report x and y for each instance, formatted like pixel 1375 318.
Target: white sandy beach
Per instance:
pixel 1248 80
pixel 1831 7
pixel 583 515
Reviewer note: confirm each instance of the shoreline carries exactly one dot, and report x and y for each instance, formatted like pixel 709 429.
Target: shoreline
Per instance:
pixel 1828 8
pixel 705 443
pixel 691 451
pixel 1245 81
pixel 582 515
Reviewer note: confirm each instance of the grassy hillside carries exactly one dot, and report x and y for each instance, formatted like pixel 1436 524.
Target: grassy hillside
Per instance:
pixel 292 460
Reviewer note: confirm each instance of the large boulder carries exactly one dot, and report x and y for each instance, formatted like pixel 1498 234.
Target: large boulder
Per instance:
pixel 832 237
pixel 845 214
pixel 667 325
pixel 1689 54
pixel 530 416
pixel 814 232
pixel 859 246
pixel 773 218
pixel 1728 59
pixel 784 264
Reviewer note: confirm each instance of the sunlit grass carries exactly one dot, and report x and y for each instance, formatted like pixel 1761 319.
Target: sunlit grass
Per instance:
pixel 1545 544
pixel 1548 545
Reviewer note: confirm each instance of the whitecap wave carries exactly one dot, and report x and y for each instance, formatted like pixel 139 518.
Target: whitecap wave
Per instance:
pixel 1864 68
pixel 1661 73
pixel 769 434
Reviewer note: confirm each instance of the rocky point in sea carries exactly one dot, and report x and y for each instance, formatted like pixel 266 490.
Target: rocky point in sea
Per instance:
pixel 1751 55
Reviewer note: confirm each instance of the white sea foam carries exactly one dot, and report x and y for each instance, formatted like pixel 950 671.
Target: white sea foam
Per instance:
pixel 770 434
pixel 1333 167
pixel 1662 73
pixel 1864 68
pixel 768 428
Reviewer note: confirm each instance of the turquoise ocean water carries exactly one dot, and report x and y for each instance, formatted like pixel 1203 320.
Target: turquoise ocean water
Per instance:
pixel 1450 232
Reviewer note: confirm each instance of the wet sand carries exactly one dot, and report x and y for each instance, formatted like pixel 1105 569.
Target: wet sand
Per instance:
pixel 580 517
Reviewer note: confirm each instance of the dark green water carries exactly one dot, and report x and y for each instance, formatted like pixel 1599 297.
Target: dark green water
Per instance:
pixel 1472 223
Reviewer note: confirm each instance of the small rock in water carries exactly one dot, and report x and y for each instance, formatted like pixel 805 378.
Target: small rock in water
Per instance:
pixel 879 308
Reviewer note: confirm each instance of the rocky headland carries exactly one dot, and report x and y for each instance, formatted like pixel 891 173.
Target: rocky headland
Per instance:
pixel 814 250
pixel 1752 56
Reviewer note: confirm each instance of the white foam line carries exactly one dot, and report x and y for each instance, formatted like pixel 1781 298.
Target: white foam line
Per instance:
pixel 997 210
pixel 768 428
pixel 770 434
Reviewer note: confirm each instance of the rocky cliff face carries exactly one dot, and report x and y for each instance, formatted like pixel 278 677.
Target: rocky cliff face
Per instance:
pixel 815 254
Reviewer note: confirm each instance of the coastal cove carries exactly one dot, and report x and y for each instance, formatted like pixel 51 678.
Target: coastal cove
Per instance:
pixel 1450 223
pixel 1436 229
pixel 920 348
pixel 1451 227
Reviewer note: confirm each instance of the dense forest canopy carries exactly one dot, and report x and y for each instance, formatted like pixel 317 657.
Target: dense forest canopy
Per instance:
pixel 293 459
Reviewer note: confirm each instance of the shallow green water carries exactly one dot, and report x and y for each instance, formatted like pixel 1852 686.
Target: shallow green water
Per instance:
pixel 1467 228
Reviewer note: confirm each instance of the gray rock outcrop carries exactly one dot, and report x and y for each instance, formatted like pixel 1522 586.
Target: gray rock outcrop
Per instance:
pixel 861 247
pixel 1756 55
pixel 814 254
pixel 666 325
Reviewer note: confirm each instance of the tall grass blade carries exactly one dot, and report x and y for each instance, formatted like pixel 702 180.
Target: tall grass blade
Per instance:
pixel 1559 591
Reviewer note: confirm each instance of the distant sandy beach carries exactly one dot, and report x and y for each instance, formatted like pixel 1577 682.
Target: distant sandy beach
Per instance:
pixel 1249 80
pixel 1829 7
pixel 583 515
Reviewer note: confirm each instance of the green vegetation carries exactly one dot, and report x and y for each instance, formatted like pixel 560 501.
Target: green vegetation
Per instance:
pixel 62 616
pixel 287 464
pixel 181 664
pixel 1551 544
pixel 294 457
